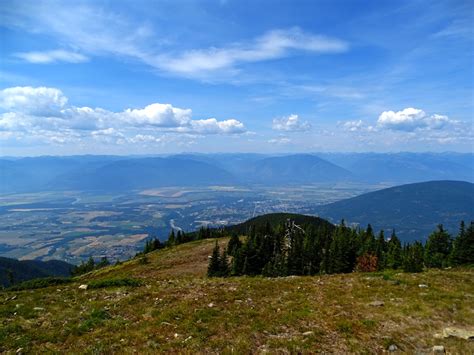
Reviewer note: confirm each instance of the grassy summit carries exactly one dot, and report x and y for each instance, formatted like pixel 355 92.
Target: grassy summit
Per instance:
pixel 175 308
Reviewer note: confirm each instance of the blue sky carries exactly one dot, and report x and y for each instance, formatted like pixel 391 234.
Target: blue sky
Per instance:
pixel 121 77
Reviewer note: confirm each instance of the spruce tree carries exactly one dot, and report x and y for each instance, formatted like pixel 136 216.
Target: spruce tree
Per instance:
pixel 463 246
pixel 224 269
pixel 394 252
pixel 438 248
pixel 171 238
pixel 214 266
pixel 234 244
pixel 413 257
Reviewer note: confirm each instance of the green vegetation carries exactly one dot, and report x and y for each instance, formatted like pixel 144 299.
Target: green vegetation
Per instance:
pixel 290 249
pixel 115 282
pixel 180 310
pixel 40 283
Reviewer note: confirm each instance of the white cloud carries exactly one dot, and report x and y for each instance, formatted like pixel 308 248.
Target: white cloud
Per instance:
pixel 92 30
pixel 211 125
pixel 40 101
pixel 280 141
pixel 411 119
pixel 356 126
pixel 44 112
pixel 47 57
pixel 160 115
pixel 290 123
pixel 273 44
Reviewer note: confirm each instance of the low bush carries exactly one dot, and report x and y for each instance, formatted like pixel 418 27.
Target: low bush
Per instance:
pixel 116 282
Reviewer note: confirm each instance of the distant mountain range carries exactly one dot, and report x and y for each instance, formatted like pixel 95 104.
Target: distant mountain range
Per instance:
pixel 131 173
pixel 413 210
pixel 22 270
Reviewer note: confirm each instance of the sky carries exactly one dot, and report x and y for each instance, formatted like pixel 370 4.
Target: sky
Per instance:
pixel 269 76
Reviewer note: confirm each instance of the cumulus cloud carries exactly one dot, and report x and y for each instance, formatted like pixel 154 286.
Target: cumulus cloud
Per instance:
pixel 40 101
pixel 44 112
pixel 160 115
pixel 290 123
pixel 47 57
pixel 411 119
pixel 356 126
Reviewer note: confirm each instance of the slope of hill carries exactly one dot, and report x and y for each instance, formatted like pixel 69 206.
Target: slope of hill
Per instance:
pixel 277 219
pixel 22 270
pixel 178 310
pixel 142 173
pixel 399 168
pixel 413 210
pixel 299 168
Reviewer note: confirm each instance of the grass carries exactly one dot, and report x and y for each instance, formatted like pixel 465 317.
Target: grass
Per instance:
pixel 177 309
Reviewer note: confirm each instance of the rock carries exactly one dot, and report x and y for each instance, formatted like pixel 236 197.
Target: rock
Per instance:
pixel 438 349
pixel 422 286
pixel 19 351
pixel 38 309
pixel 392 348
pixel 458 333
pixel 210 305
pixel 376 303
pixel 308 333
pixel 83 287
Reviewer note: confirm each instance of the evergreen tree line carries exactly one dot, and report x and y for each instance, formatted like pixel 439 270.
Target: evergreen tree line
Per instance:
pixel 292 250
pixel 89 265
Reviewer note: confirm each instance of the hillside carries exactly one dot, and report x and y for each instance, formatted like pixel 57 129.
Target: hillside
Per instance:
pixel 276 219
pixel 413 210
pixel 178 309
pixel 22 270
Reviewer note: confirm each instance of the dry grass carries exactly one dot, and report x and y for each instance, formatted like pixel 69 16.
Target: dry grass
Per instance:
pixel 180 310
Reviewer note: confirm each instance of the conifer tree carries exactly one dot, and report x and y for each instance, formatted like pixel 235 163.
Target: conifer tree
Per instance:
pixel 234 244
pixel 394 252
pixel 224 269
pixel 413 257
pixel 171 238
pixel 463 246
pixel 214 267
pixel 438 248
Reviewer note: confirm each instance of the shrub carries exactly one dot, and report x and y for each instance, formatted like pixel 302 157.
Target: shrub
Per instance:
pixel 39 283
pixel 116 282
pixel 367 263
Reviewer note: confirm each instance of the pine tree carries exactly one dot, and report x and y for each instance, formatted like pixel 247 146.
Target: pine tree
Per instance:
pixel 380 251
pixel 214 266
pixel 171 238
pixel 463 246
pixel 438 248
pixel 413 257
pixel 224 269
pixel 394 252
pixel 234 244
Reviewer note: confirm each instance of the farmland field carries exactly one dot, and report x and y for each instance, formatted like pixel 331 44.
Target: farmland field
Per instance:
pixel 74 225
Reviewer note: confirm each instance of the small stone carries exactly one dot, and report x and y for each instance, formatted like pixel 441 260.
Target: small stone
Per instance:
pixel 376 303
pixel 187 339
pixel 308 333
pixel 438 349
pixel 176 335
pixel 438 336
pixel 19 351
pixel 422 286
pixel 210 305
pixel 392 348
pixel 38 309
pixel 83 287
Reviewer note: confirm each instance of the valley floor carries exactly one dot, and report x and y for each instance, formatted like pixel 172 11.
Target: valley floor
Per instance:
pixel 178 309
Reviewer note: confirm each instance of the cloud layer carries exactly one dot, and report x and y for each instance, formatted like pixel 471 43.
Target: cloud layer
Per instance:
pixel 44 113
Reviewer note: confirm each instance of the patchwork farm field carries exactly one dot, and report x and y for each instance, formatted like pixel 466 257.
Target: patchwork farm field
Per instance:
pixel 75 225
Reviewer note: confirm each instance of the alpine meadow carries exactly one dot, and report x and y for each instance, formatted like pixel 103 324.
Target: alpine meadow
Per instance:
pixel 236 177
